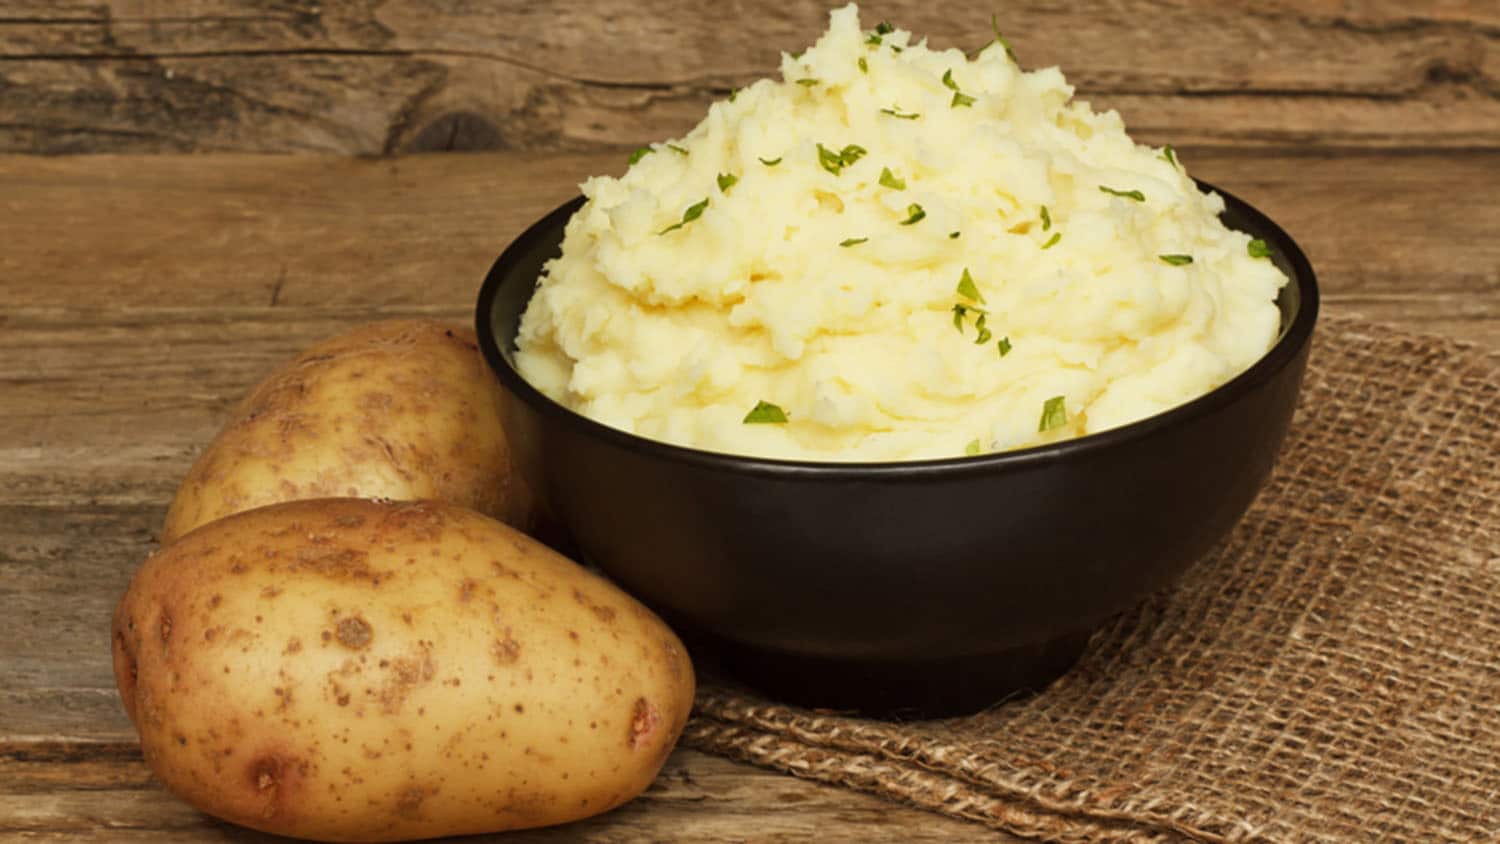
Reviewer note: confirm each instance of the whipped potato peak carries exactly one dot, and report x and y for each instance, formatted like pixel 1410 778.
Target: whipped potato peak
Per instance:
pixel 895 253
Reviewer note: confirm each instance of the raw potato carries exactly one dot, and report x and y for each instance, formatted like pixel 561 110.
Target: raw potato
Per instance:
pixel 351 670
pixel 405 410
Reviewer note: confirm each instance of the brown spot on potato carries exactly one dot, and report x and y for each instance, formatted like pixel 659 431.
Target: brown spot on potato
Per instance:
pixel 354 632
pixel 270 592
pixel 506 651
pixel 644 721
pixel 466 590
pixel 409 804
pixel 213 603
pixel 165 626
pixel 350 520
pixel 293 645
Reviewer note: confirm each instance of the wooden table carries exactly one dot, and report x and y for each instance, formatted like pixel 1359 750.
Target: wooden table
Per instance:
pixel 141 294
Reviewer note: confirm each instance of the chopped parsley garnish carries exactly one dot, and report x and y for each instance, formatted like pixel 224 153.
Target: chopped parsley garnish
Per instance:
pixel 726 181
pixel 895 49
pixel 1004 346
pixel 884 28
pixel 853 241
pixel 960 310
pixel 835 162
pixel 1052 241
pixel 874 39
pixel 770 162
pixel 1169 154
pixel 959 97
pixel 891 180
pixel 640 153
pixel 984 333
pixel 1176 260
pixel 765 413
pixel 864 66
pixel 1046 219
pixel 897 113
pixel 914 213
pixel 995 25
pixel 953 235
pixel 692 213
pixel 733 94
pixel 677 149
pixel 1258 249
pixel 1054 415
pixel 1124 194
pixel 807 82
pixel 972 448
pixel 968 289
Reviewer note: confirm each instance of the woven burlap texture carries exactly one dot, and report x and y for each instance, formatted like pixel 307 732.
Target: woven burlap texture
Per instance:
pixel 1330 673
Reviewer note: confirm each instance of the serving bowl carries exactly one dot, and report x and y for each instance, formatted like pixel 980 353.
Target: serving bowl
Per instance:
pixel 913 589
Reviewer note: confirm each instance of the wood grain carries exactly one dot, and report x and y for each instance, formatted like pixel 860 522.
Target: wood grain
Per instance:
pixel 141 295
pixel 364 77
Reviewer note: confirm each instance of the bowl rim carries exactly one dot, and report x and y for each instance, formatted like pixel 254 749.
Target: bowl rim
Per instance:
pixel 1283 352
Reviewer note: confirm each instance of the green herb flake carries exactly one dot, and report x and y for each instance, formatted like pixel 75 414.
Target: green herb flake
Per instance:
pixel 770 162
pixel 948 80
pixel 1054 415
pixel 914 213
pixel 677 149
pixel 968 289
pixel 1176 260
pixel 895 49
pixel 639 154
pixel 973 448
pixel 726 181
pixel 891 180
pixel 995 25
pixel 1046 219
pixel 874 40
pixel 1124 194
pixel 853 241
pixel 835 162
pixel 807 82
pixel 692 213
pixel 954 235
pixel 1004 346
pixel 984 333
pixel 765 413
pixel 1258 249
pixel 1169 155
pixel 1052 241
pixel 829 160
pixel 733 94
pixel 897 113
pixel 961 100
pixel 884 28
pixel 864 66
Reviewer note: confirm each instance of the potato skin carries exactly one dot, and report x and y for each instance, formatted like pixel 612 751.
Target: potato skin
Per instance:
pixel 403 409
pixel 350 670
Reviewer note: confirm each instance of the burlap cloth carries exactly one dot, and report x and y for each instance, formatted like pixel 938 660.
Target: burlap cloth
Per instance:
pixel 1331 673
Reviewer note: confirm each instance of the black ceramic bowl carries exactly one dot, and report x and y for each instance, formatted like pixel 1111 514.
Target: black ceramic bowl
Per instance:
pixel 919 588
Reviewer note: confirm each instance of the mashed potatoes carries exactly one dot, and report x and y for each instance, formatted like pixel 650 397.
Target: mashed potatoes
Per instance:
pixel 895 253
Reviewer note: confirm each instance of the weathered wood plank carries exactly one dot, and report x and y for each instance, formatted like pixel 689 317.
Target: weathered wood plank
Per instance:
pixel 141 295
pixel 103 792
pixel 261 75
